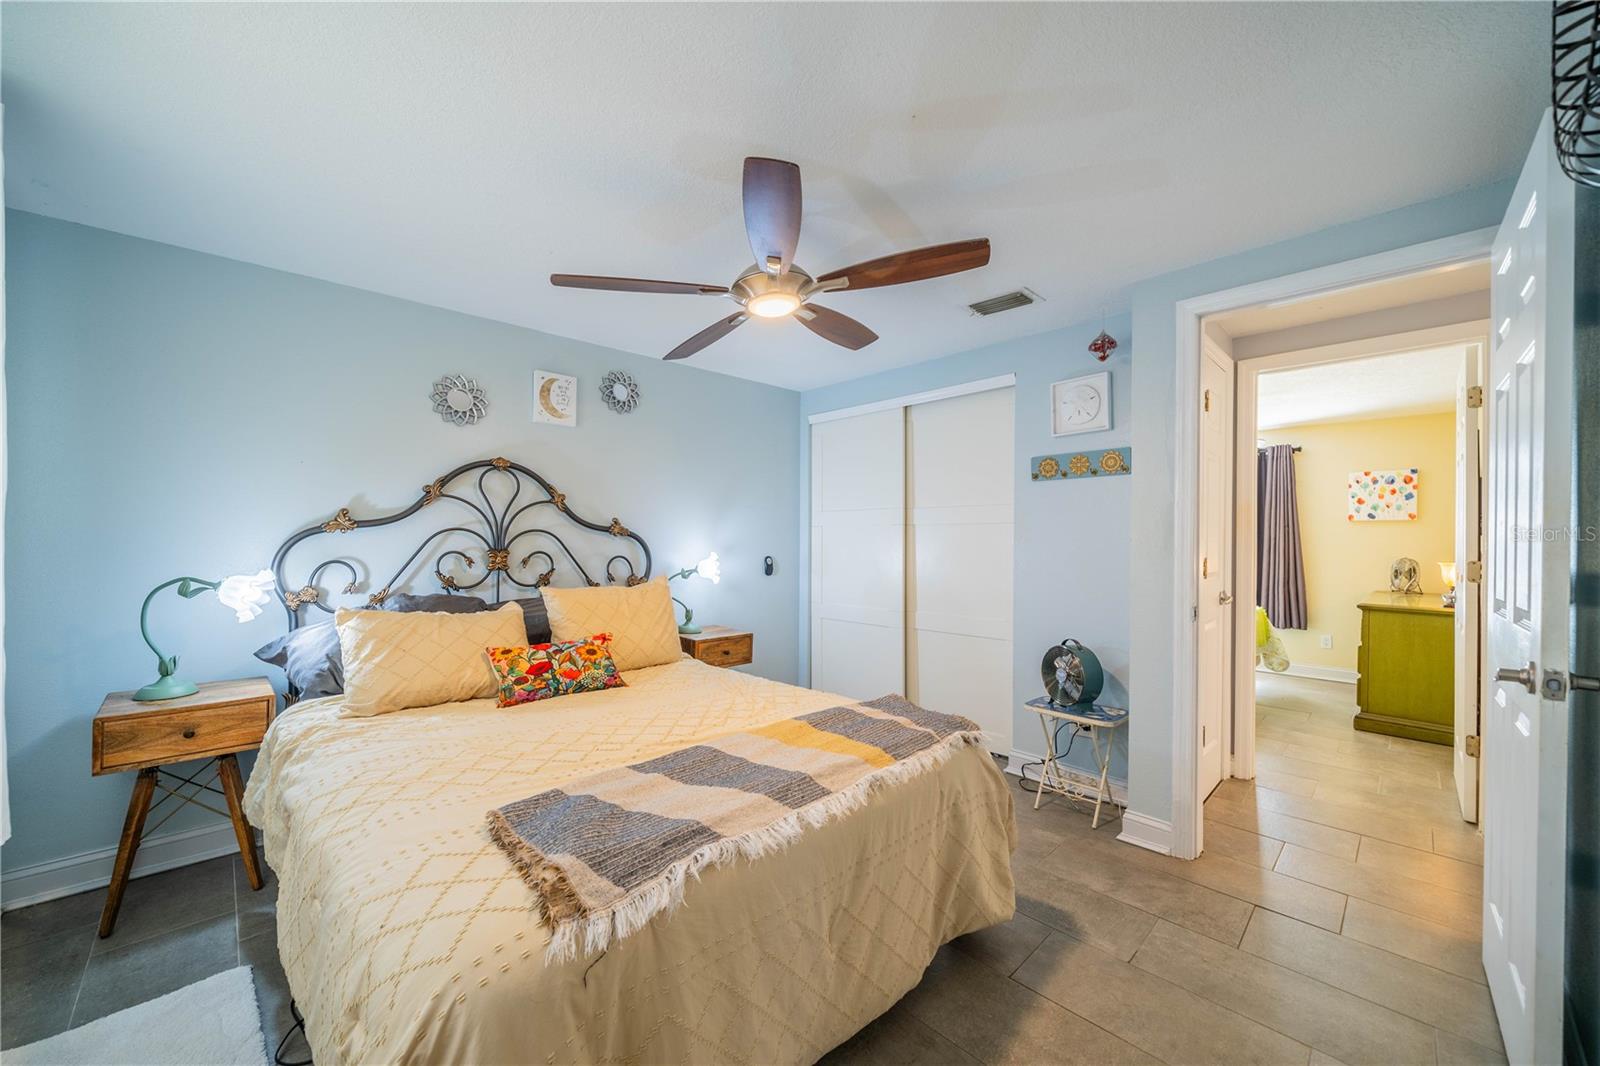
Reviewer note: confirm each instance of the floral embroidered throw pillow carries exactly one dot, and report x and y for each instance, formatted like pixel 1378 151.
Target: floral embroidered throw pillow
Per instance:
pixel 541 671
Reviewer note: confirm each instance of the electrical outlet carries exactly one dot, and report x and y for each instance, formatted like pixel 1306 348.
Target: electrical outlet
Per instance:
pixel 1325 641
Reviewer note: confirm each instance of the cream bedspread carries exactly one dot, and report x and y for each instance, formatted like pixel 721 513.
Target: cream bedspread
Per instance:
pixel 408 937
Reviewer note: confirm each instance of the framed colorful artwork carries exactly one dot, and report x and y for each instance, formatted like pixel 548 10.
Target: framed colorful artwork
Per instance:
pixel 1382 495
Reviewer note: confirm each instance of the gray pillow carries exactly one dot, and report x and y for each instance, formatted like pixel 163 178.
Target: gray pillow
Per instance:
pixel 536 617
pixel 537 621
pixel 439 602
pixel 309 658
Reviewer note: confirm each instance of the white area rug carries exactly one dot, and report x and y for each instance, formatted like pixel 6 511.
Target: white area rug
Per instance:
pixel 214 1022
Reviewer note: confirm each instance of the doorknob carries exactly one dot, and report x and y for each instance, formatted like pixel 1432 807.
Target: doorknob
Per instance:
pixel 1523 677
pixel 1224 598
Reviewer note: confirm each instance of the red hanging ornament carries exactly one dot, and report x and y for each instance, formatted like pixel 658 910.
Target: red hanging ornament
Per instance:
pixel 1103 345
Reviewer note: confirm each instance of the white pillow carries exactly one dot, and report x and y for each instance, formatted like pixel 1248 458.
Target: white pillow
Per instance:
pixel 395 659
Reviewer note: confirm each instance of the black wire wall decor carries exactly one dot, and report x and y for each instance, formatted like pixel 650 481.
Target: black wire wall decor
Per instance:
pixel 1575 88
pixel 500 527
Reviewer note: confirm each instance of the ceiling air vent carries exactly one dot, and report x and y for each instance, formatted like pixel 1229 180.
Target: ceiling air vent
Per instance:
pixel 1007 302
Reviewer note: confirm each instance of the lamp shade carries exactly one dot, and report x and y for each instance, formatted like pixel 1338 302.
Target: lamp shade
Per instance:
pixel 710 568
pixel 246 594
pixel 1447 573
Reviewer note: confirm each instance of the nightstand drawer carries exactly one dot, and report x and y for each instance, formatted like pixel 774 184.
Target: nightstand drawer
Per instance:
pixel 732 650
pixel 154 737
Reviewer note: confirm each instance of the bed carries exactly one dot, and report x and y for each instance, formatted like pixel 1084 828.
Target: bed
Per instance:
pixel 408 937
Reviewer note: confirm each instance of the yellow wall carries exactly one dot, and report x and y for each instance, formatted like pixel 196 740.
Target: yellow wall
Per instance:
pixel 1346 560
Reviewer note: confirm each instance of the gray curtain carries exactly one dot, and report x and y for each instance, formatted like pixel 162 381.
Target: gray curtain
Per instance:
pixel 1280 569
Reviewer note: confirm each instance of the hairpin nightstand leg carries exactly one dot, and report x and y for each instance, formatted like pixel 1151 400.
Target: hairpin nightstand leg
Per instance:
pixel 144 786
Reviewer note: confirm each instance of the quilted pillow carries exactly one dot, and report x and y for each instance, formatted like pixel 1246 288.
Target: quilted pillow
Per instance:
pixel 394 660
pixel 541 671
pixel 643 630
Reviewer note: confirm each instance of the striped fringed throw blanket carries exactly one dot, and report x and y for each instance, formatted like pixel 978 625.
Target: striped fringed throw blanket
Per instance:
pixel 608 852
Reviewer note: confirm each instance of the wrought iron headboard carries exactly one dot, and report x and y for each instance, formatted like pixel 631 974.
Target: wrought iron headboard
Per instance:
pixel 495 526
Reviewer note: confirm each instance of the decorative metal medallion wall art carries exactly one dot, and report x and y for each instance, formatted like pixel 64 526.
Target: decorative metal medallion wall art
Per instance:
pixel 620 392
pixel 1575 57
pixel 498 512
pixel 459 400
pixel 1108 462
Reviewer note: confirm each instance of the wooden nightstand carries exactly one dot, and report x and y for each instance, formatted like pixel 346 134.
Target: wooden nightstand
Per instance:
pixel 720 646
pixel 221 720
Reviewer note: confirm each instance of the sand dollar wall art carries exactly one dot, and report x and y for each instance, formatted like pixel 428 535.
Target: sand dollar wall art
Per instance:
pixel 1383 495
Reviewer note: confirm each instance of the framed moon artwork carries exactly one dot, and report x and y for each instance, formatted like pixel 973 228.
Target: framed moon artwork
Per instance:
pixel 1080 405
pixel 555 398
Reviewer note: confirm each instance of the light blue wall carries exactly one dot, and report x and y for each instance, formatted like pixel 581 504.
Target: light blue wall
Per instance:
pixel 172 412
pixel 1155 324
pixel 1071 536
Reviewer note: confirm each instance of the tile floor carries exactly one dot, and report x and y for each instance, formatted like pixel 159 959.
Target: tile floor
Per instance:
pixel 1333 918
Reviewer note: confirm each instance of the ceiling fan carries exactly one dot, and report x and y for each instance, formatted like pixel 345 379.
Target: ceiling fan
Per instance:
pixel 774 287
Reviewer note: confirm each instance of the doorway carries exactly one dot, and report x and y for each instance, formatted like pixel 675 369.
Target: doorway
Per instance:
pixel 1358 536
pixel 1526 584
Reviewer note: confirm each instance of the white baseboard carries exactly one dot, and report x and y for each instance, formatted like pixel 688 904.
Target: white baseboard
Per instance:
pixel 1315 673
pixel 1117 786
pixel 92 869
pixel 1143 831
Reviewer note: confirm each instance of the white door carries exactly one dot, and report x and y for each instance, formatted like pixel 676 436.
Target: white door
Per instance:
pixel 1214 610
pixel 1529 487
pixel 858 564
pixel 959 487
pixel 1469 547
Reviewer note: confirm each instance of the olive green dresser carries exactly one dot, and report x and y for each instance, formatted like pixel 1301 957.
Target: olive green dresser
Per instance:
pixel 1406 664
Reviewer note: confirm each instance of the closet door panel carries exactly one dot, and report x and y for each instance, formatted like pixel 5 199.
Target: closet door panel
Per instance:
pixel 858 555
pixel 959 584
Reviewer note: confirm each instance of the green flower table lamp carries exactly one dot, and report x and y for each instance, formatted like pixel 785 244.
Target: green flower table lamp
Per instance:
pixel 709 568
pixel 246 594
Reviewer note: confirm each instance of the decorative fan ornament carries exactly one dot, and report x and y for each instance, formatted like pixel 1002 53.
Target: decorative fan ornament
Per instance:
pixel 1103 345
pixel 620 392
pixel 458 400
pixel 1575 59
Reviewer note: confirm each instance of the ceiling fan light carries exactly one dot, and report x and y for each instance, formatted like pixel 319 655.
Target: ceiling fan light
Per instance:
pixel 773 304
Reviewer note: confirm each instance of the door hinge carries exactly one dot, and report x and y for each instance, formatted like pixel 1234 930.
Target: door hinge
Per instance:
pixel 1473 746
pixel 1474 395
pixel 1475 570
pixel 1205 567
pixel 1208 400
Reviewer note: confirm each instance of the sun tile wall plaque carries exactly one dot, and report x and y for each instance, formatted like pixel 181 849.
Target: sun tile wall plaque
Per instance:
pixel 1107 462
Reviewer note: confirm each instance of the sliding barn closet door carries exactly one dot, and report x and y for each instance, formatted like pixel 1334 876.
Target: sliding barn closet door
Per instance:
pixel 858 563
pixel 959 487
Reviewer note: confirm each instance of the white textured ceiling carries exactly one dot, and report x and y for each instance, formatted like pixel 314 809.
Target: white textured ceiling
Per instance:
pixel 458 154
pixel 1384 386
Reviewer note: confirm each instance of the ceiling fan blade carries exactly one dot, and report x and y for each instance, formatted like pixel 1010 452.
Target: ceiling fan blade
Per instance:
pixel 715 331
pixel 918 265
pixel 596 281
pixel 772 211
pixel 830 325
